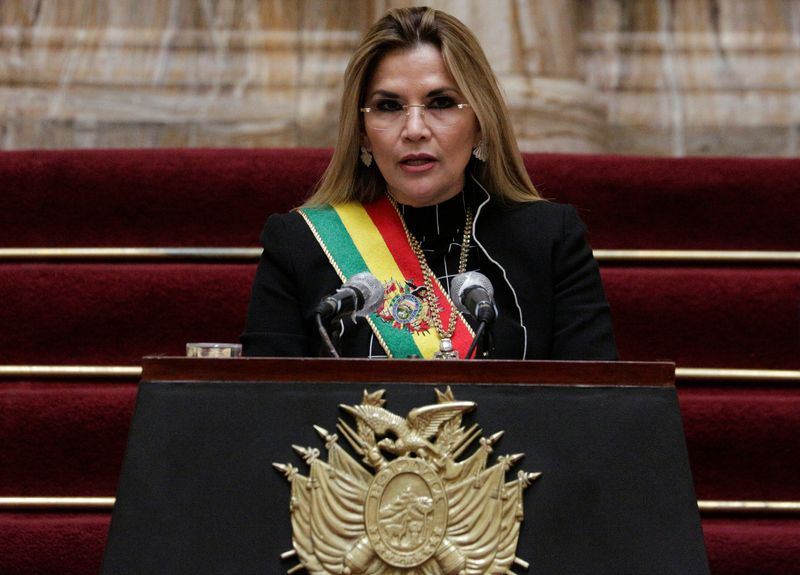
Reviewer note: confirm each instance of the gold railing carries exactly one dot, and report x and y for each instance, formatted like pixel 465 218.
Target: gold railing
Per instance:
pixel 133 372
pixel 252 253
pixel 107 504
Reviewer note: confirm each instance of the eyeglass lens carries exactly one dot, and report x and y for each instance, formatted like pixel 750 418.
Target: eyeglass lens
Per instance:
pixel 435 117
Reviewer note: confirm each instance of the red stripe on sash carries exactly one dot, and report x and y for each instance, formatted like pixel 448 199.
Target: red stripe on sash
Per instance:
pixel 387 220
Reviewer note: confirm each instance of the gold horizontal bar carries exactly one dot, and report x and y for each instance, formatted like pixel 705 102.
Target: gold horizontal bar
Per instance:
pixel 11 503
pixel 77 503
pixel 251 253
pixel 87 371
pixel 753 507
pixel 698 256
pixel 135 371
pixel 766 375
pixel 160 253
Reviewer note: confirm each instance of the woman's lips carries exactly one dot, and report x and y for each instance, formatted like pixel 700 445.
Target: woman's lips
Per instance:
pixel 417 163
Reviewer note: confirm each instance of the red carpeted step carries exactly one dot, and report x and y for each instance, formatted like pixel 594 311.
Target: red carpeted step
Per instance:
pixel 52 543
pixel 185 197
pixel 677 203
pixel 116 313
pixel 707 317
pixel 747 546
pixel 68 439
pixel 110 314
pixel 73 543
pixel 218 197
pixel 63 439
pixel 743 442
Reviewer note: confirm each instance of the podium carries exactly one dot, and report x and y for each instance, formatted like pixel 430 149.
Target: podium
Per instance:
pixel 199 494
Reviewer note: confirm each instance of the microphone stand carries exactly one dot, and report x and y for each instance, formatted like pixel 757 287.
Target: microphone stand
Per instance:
pixel 486 345
pixel 327 344
pixel 483 341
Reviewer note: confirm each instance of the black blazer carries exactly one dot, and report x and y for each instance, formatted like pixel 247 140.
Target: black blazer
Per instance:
pixel 547 286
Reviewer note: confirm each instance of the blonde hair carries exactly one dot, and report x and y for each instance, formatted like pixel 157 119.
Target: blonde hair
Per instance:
pixel 503 174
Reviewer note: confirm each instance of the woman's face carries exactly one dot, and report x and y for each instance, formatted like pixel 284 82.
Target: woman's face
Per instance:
pixel 421 160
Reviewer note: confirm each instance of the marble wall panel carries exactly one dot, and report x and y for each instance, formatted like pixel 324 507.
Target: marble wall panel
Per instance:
pixel 662 77
pixel 696 77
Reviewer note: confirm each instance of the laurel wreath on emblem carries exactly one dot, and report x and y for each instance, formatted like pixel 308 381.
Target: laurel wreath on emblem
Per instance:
pixel 419 511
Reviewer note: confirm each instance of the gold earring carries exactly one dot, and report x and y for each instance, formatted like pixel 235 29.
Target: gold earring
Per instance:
pixel 480 151
pixel 366 156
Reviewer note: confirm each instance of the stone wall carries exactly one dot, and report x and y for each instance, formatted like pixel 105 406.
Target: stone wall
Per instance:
pixel 656 77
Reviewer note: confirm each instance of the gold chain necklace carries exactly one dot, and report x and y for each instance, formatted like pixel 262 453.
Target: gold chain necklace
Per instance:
pixel 446 350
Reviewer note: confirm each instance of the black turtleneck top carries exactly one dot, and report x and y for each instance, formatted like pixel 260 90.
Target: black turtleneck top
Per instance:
pixel 439 230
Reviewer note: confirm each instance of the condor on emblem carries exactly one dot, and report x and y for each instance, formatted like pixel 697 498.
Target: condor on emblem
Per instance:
pixel 422 512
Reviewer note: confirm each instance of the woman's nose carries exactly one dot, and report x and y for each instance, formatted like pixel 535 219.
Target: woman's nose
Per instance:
pixel 415 126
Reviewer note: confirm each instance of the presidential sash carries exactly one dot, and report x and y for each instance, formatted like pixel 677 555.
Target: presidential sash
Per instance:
pixel 370 237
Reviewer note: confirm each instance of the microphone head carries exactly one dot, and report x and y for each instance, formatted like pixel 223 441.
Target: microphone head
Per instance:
pixel 371 290
pixel 462 283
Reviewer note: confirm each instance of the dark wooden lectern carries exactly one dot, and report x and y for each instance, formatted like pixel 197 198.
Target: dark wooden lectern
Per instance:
pixel 199 493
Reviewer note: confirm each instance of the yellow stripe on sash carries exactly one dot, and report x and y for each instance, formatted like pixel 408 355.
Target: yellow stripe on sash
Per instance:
pixel 368 241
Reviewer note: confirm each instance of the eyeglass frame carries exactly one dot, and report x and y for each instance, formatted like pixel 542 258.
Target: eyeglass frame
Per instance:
pixel 424 107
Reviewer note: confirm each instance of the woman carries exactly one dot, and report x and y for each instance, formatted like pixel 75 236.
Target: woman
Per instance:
pixel 426 182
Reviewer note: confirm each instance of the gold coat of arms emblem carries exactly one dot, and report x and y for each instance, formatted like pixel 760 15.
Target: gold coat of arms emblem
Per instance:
pixel 412 505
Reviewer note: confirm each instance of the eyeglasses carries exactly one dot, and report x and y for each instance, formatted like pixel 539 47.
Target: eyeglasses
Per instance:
pixel 440 113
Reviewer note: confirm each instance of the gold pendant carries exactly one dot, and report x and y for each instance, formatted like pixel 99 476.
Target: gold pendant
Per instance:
pixel 446 350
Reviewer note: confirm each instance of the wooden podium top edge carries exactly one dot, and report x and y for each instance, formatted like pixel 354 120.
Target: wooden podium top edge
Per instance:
pixel 256 369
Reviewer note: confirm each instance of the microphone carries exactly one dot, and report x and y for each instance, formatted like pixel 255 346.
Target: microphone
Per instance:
pixel 360 295
pixel 473 294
